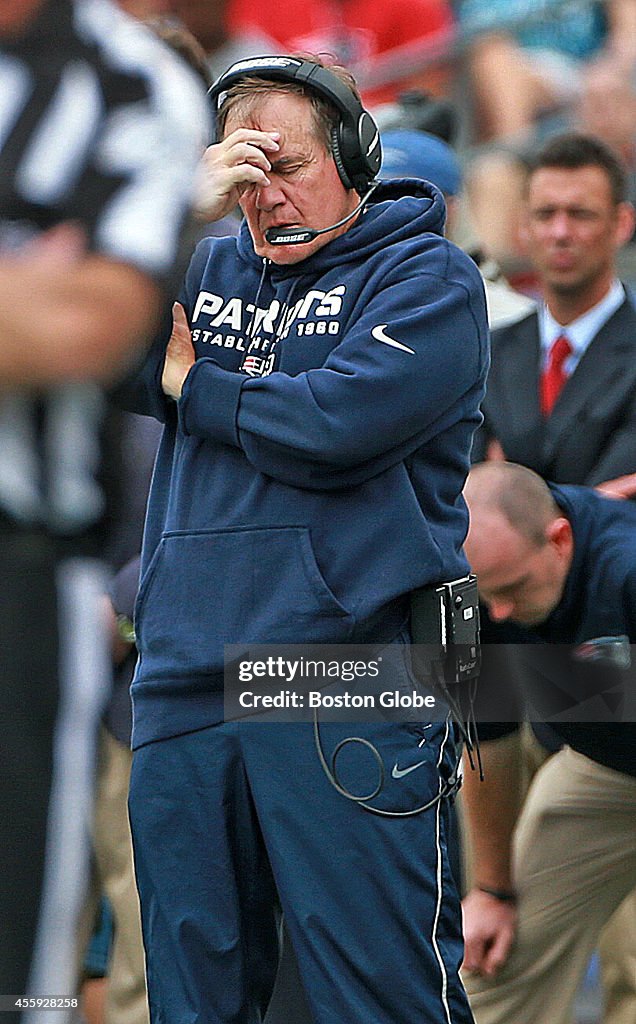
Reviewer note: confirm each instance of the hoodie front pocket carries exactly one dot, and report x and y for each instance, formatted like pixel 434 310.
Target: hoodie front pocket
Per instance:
pixel 206 589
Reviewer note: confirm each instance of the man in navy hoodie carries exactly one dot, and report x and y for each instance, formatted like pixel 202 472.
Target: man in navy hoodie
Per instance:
pixel 561 562
pixel 319 393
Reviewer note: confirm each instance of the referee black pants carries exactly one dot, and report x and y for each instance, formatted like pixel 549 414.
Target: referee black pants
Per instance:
pixel 28 703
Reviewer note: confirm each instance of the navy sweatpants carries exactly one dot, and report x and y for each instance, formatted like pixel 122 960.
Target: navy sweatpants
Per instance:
pixel 235 820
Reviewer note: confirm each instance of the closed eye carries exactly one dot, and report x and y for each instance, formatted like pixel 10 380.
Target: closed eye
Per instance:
pixel 288 167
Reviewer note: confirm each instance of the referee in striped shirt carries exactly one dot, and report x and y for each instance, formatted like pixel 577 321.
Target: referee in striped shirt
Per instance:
pixel 100 132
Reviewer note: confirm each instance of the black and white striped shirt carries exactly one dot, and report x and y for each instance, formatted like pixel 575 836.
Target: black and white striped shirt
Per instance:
pixel 99 124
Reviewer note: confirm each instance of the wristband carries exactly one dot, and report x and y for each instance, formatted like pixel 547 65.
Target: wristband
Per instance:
pixel 503 895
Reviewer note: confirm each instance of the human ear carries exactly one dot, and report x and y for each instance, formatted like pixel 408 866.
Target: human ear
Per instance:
pixel 559 534
pixel 626 221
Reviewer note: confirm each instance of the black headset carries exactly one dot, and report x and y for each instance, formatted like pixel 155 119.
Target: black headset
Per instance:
pixel 355 139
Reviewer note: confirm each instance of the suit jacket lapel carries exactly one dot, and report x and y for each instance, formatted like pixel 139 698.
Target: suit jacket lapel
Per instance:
pixel 520 377
pixel 593 374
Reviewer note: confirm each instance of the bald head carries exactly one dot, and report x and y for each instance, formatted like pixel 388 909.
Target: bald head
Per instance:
pixel 518 494
pixel 519 543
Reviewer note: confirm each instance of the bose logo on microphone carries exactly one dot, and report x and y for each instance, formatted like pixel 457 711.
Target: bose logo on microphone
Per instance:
pixel 274 238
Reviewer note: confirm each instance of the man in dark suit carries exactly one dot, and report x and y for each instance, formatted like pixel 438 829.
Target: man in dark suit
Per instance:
pixel 561 400
pixel 568 410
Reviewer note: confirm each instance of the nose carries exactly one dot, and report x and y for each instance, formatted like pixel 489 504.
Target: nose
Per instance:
pixel 500 609
pixel 560 225
pixel 268 197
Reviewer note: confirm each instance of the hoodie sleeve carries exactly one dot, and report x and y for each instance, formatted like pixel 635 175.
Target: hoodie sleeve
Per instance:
pixel 141 391
pixel 411 364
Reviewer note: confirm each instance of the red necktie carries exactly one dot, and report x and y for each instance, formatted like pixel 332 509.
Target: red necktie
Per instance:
pixel 554 375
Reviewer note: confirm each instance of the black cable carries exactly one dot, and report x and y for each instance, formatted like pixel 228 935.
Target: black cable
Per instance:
pixel 447 788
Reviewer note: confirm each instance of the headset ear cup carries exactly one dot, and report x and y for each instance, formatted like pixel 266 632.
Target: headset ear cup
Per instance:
pixel 369 145
pixel 337 157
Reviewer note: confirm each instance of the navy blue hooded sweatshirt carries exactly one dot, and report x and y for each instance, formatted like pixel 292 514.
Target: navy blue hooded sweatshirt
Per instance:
pixel 303 506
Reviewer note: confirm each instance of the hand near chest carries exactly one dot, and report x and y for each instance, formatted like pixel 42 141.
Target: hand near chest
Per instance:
pixel 179 354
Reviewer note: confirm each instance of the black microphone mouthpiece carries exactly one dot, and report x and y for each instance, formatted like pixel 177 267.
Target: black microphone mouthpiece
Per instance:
pixel 290 236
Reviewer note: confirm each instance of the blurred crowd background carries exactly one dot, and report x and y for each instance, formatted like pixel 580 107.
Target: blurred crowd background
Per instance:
pixel 493 79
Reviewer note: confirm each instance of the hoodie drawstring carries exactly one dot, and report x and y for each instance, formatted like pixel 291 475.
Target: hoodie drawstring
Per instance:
pixel 258 366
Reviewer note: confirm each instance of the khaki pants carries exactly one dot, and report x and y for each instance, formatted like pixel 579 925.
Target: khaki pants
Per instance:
pixel 574 865
pixel 126 1001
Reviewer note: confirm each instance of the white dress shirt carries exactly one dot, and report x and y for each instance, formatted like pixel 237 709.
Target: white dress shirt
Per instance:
pixel 581 331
